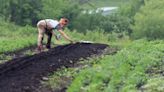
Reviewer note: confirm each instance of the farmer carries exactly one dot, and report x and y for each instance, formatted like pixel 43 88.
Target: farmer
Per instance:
pixel 47 26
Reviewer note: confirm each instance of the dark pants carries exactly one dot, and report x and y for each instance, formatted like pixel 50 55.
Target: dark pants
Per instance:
pixel 49 34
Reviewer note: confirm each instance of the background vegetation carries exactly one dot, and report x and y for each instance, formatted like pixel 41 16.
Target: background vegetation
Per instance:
pixel 149 20
pixel 14 37
pixel 136 28
pixel 124 72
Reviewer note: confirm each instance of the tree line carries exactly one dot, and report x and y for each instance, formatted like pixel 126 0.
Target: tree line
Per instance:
pixel 138 18
pixel 23 12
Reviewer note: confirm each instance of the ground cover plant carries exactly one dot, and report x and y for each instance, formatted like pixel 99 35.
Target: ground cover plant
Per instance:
pixel 124 71
pixel 13 37
pixel 135 31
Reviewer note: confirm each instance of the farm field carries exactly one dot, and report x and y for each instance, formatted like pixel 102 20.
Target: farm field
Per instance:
pixel 120 52
pixel 122 65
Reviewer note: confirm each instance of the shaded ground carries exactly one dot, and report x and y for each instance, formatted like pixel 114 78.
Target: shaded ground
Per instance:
pixel 25 74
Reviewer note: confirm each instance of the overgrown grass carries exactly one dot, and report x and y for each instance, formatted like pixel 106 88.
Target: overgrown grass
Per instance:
pixel 13 37
pixel 123 72
pixel 96 36
pixel 63 77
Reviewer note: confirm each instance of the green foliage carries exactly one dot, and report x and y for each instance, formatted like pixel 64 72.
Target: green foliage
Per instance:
pixel 123 72
pixel 111 23
pixel 119 22
pixel 97 35
pixel 30 11
pixel 60 78
pixel 85 22
pixel 14 37
pixel 92 4
pixel 21 12
pixel 53 8
pixel 127 12
pixel 71 12
pixel 131 8
pixel 154 85
pixel 13 45
pixel 149 21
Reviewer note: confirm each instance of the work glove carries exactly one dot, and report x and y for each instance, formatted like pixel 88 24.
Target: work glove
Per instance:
pixel 58 37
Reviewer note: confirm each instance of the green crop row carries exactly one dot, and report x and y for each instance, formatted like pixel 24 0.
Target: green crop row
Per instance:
pixel 124 71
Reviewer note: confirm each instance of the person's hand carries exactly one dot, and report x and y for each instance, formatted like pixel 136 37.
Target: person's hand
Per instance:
pixel 58 37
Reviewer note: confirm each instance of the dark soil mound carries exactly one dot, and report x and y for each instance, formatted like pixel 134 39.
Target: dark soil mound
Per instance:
pixel 25 74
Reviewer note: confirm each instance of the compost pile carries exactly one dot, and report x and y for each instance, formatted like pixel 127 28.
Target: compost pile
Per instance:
pixel 26 73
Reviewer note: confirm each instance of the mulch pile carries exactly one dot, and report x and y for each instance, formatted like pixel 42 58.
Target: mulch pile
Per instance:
pixel 26 73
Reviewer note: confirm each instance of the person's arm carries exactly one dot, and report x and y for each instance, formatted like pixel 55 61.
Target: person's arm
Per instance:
pixel 65 36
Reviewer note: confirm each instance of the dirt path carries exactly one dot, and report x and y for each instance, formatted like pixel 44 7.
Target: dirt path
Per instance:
pixel 25 74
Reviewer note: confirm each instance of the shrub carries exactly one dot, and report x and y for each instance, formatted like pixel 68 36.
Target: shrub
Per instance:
pixel 149 21
pixel 110 23
pixel 127 12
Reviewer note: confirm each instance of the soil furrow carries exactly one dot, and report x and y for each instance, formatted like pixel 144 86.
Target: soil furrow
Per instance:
pixel 25 74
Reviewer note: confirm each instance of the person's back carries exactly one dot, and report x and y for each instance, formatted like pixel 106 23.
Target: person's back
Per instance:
pixel 51 23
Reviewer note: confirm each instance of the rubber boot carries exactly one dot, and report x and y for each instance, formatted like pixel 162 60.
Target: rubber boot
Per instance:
pixel 48 46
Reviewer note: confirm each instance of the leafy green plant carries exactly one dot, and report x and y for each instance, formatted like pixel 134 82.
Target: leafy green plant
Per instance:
pixel 123 72
pixel 149 21
pixel 14 37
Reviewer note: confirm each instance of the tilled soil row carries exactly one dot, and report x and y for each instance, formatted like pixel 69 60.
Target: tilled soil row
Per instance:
pixel 25 74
